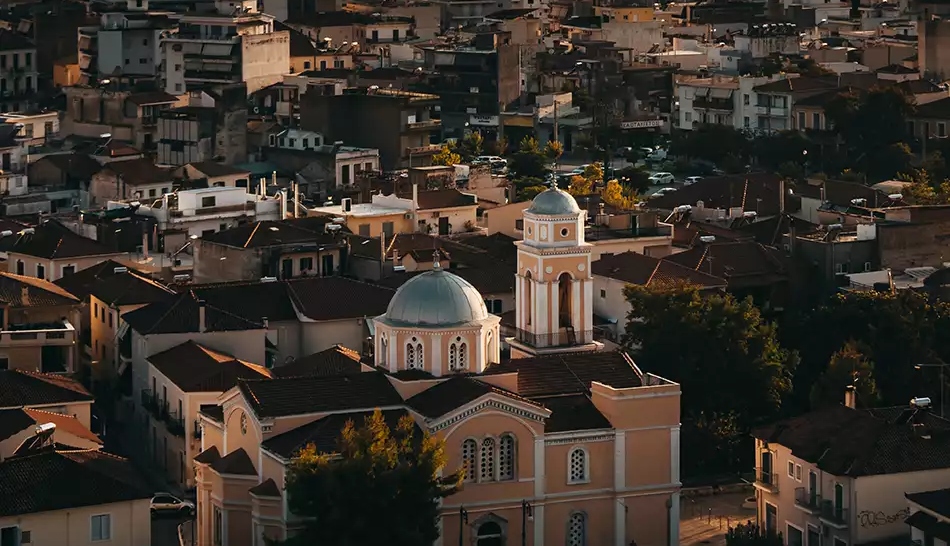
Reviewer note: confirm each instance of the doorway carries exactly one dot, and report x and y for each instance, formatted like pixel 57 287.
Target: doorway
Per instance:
pixel 327 265
pixel 286 268
pixel 443 225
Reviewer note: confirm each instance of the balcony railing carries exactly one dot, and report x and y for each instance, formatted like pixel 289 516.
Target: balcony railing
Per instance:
pixel 38 334
pixel 833 515
pixel 149 402
pixel 427 124
pixel 175 424
pixel 766 480
pixel 809 500
pixel 196 432
pixel 564 338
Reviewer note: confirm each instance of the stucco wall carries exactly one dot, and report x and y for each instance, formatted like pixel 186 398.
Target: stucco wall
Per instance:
pixel 131 524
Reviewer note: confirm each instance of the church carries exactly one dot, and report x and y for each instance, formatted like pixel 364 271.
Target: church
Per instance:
pixel 564 443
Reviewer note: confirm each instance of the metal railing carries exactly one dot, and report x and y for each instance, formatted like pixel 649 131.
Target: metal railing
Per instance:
pixel 196 432
pixel 766 478
pixel 175 424
pixel 564 338
pixel 427 124
pixel 807 499
pixel 833 514
pixel 149 402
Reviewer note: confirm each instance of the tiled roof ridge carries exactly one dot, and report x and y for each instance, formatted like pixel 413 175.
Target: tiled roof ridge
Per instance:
pixel 745 191
pixel 40 284
pixel 295 298
pixel 504 392
pixel 251 236
pixel 223 311
pixel 51 379
pixel 143 277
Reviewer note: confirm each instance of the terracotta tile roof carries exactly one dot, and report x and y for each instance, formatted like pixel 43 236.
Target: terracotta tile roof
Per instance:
pixel 757 192
pixel 196 368
pixel 141 171
pixel 212 411
pixel 65 423
pixel 179 314
pixel 443 199
pixel 152 97
pixel 324 433
pixel 488 281
pixel 12 41
pixel 794 85
pixel 569 373
pixel 741 263
pixel 13 421
pixel 267 488
pixel 298 395
pixel 81 283
pixel 75 165
pixel 337 360
pixel 847 442
pixel 237 462
pixel 25 389
pixel 208 456
pixel 572 412
pixel 56 480
pixel 455 392
pixel 252 300
pixel 336 298
pixel 40 293
pixel 639 269
pixel 51 240
pixel 213 168
pixel 269 233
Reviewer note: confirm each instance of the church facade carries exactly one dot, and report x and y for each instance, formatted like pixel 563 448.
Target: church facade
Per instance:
pixel 562 444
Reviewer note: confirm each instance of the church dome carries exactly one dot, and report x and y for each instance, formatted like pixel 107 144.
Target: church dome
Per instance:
pixel 554 202
pixel 436 298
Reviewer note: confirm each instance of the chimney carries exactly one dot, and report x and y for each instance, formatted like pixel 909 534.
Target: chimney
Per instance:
pixel 24 296
pixel 202 325
pixel 850 398
pixel 415 195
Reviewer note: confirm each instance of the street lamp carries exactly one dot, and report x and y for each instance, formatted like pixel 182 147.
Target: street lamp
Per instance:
pixel 526 515
pixel 463 520
pixel 940 365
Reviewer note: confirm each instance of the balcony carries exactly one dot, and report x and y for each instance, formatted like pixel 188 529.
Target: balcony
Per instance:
pixel 175 424
pixel 766 481
pixel 807 500
pixel 774 111
pixel 196 432
pixel 38 334
pixel 832 515
pixel 564 338
pixel 424 150
pixel 149 402
pixel 713 104
pixel 426 125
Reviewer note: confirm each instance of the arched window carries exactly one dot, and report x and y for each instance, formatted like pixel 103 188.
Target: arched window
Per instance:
pixel 469 448
pixel 420 363
pixel 506 457
pixel 527 298
pixel 463 356
pixel 565 300
pixel 453 357
pixel 577 466
pixel 489 534
pixel 577 530
pixel 382 349
pixel 410 356
pixel 489 355
pixel 486 470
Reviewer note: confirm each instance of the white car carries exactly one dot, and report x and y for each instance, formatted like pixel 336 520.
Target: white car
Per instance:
pixel 690 180
pixel 661 179
pixel 491 159
pixel 662 191
pixel 580 170
pixel 165 503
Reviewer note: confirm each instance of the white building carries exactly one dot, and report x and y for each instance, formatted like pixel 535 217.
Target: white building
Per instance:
pixel 126 43
pixel 344 162
pixel 235 44
pixel 720 100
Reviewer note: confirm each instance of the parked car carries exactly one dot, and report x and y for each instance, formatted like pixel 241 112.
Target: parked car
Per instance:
pixel 661 192
pixel 580 170
pixel 690 180
pixel 490 159
pixel 661 179
pixel 166 503
pixel 658 154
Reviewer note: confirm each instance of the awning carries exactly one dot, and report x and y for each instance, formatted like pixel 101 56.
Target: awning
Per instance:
pixel 929 525
pixel 719 93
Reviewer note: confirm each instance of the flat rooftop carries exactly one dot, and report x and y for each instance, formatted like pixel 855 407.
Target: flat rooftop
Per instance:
pixel 365 210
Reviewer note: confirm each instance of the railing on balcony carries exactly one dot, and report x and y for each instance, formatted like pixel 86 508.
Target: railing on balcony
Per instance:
pixel 833 515
pixel 175 424
pixel 149 402
pixel 713 104
pixel 427 124
pixel 766 479
pixel 419 150
pixel 36 332
pixel 564 338
pixel 809 500
pixel 196 432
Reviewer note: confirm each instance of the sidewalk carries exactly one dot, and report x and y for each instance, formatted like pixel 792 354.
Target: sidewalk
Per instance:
pixel 704 520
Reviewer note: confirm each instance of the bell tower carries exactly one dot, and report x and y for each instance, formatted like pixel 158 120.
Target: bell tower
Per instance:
pixel 553 285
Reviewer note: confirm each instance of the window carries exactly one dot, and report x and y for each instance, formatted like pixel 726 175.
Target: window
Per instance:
pixel 486 469
pixel 577 466
pixel 306 264
pixel 110 320
pixel 207 201
pixel 323 65
pixel 306 65
pixel 40 271
pixel 689 117
pixel 795 535
pixel 489 534
pixel 519 224
pixel 364 230
pixel 101 527
pixel 10 536
pixel 771 519
pixel 816 121
pixel 338 63
pixel 26 537
pixel 291 142
pixel 218 530
pixel 941 129
pixel 177 87
pixel 19 267
pixel 867 266
pixel 603 294
pixel 506 457
pixel 745 121
pixel 801 120
pixel 577 530
pixel 839 269
pixel 791 469
pixel 152 192
pixel 306 143
pixel 798 472
pixel 745 99
pixel 142 61
pixel 468 459
pixel 4 363
pixel 414 355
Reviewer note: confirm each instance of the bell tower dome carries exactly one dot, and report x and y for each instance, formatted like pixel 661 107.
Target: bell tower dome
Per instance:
pixel 553 285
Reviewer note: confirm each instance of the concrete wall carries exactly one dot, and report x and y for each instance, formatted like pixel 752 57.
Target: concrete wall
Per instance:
pixel 265 58
pixel 54 268
pixel 912 245
pixel 130 522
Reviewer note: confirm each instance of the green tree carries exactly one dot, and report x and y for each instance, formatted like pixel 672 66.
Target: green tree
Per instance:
pixel 553 150
pixel 382 487
pixel 848 367
pixel 730 365
pixel 749 534
pixel 634 178
pixel 712 143
pixel 528 162
pixel 528 193
pixel 470 146
pixel 617 195
pixel 923 189
pixel 446 157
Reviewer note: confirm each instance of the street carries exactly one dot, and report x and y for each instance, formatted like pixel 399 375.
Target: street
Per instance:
pixel 165 530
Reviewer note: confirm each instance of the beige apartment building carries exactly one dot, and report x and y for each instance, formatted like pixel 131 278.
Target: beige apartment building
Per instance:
pixel 50 250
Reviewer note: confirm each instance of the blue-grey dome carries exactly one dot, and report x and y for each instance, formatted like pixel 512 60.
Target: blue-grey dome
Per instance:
pixel 436 298
pixel 554 202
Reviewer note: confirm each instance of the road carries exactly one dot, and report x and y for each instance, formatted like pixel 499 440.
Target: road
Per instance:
pixel 165 530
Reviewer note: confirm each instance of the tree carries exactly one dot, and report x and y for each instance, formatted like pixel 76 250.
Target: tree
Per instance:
pixel 848 367
pixel 730 365
pixel 553 150
pixel 528 162
pixel 634 178
pixel 528 193
pixel 584 184
pixel 383 487
pixel 749 534
pixel 447 157
pixel 617 195
pixel 470 146
pixel 924 190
